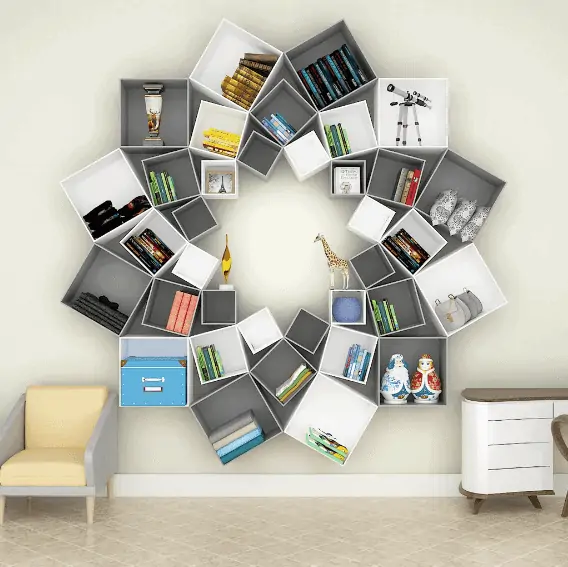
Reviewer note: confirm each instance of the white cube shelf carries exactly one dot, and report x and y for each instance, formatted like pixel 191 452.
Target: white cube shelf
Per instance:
pixel 358 294
pixel 196 266
pixel 306 156
pixel 224 167
pixel 370 220
pixel 334 408
pixel 228 344
pixel 260 330
pixel 464 268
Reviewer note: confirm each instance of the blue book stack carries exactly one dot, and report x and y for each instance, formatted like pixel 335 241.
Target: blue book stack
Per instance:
pixel 281 130
pixel 357 363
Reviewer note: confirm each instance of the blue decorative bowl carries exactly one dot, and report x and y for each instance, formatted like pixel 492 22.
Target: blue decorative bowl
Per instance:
pixel 346 310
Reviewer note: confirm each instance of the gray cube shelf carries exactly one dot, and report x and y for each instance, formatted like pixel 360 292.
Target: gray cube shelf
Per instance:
pixel 195 219
pixel 218 307
pixel 199 391
pixel 260 155
pixel 137 154
pixel 372 266
pixel 307 331
pixel 134 326
pixel 431 158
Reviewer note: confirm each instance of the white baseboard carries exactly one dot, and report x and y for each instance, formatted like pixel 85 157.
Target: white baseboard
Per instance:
pixel 295 485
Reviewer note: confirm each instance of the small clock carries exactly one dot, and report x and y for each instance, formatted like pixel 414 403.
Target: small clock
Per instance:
pixel 219 182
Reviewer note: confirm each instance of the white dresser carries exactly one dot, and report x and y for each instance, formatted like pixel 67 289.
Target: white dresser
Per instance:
pixel 507 445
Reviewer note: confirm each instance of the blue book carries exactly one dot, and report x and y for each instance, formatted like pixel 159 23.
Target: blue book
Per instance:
pixel 358 364
pixel 351 57
pixel 272 130
pixel 282 126
pixel 325 81
pixel 348 360
pixel 336 140
pixel 353 361
pixel 337 74
pixel 384 317
pixel 350 67
pixel 209 364
pixel 365 366
pixel 313 88
pixel 242 449
pixel 163 194
pixel 285 122
pixel 239 442
pixel 279 128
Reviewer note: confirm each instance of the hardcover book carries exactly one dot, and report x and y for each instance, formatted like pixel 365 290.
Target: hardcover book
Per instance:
pixel 347 180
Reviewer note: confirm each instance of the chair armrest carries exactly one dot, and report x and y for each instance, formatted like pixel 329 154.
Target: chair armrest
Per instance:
pixel 101 453
pixel 557 422
pixel 12 434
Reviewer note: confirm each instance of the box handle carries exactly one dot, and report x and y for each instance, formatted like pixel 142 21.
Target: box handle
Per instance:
pixel 153 379
pixel 153 389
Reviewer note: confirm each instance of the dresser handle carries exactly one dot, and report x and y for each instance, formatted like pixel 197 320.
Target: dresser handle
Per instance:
pixel 153 389
pixel 153 379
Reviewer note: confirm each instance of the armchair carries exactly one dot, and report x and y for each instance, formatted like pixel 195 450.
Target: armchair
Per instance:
pixel 59 441
pixel 561 444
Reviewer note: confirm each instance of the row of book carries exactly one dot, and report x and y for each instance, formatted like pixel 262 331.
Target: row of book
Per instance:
pixel 210 363
pixel 182 312
pixel 149 249
pixel 406 186
pixel 406 250
pixel 332 76
pixel 299 377
pixel 100 310
pixel 357 363
pixel 385 316
pixel 337 140
pixel 236 437
pixel 221 142
pixel 162 188
pixel 326 444
pixel 277 126
pixel 245 84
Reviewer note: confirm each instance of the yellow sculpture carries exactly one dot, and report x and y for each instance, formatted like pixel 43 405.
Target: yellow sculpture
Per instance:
pixel 226 261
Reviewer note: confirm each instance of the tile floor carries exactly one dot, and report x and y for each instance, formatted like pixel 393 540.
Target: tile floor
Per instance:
pixel 284 533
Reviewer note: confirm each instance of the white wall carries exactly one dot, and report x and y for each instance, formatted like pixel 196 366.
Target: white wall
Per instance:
pixel 59 104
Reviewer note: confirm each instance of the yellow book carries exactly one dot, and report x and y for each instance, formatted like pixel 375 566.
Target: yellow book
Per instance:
pixel 250 75
pixel 216 133
pixel 219 149
pixel 243 92
pixel 238 100
pixel 222 143
pixel 292 390
pixel 242 82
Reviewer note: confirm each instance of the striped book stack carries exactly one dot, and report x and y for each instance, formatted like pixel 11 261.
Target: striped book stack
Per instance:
pixel 182 313
pixel 236 437
pixel 357 363
pixel 210 364
pixel 326 444
pixel 300 376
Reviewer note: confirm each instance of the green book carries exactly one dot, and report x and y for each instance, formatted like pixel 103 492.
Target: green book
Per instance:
pixel 330 142
pixel 345 138
pixel 210 359
pixel 155 189
pixel 172 188
pixel 387 311
pixel 164 176
pixel 218 360
pixel 393 315
pixel 201 364
pixel 321 448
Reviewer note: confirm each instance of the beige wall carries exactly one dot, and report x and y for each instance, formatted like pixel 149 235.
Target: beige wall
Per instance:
pixel 59 105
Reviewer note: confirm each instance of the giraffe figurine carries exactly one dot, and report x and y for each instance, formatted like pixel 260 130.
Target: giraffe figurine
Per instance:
pixel 334 263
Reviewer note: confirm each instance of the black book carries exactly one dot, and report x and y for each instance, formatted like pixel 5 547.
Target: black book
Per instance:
pixel 320 85
pixel 159 242
pixel 336 82
pixel 100 320
pixel 93 300
pixel 92 309
pixel 317 86
pixel 135 248
pixel 324 66
pixel 353 61
pixel 348 75
pixel 414 244
pixel 396 251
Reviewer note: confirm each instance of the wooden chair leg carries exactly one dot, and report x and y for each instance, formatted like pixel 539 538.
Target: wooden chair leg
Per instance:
pixel 90 509
pixel 2 508
pixel 535 502
pixel 477 503
pixel 564 510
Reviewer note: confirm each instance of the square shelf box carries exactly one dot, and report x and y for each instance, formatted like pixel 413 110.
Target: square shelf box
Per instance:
pixel 212 115
pixel 260 155
pixel 278 366
pixel 134 326
pixel 334 408
pixel 336 350
pixel 370 219
pixel 325 43
pixel 221 58
pixel 195 219
pixel 218 307
pixel 165 232
pixel 335 188
pixel 470 181
pixel 228 344
pixel 307 331
pixel 179 167
pixel 371 389
pixel 356 123
pixel 388 166
pixel 306 156
pixel 110 178
pixel 104 273
pixel 372 266
pixel 196 266
pixel 260 330
pixel 431 158
pixel 412 349
pixel 217 176
pixel 462 269
pixel 403 296
pixel 174 125
pixel 285 101
pixel 422 232
pixel 356 294
pixel 158 312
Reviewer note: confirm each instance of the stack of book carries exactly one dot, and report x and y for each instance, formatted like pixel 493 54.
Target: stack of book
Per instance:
pixel 406 186
pixel 406 250
pixel 182 312
pixel 326 444
pixel 221 142
pixel 236 437
pixel 162 188
pixel 210 364
pixel 100 310
pixel 385 316
pixel 149 249
pixel 357 363
pixel 332 77
pixel 246 82
pixel 337 140
pixel 300 376
pixel 281 130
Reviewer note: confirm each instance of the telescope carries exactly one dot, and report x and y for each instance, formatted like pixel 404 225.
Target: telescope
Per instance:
pixel 414 98
pixel 409 99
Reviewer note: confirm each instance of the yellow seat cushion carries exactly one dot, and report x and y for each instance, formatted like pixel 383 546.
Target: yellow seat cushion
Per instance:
pixel 45 467
pixel 62 416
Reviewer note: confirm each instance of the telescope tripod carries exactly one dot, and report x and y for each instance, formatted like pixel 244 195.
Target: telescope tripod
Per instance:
pixel 403 122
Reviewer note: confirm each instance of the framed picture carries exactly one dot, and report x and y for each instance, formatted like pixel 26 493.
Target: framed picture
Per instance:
pixel 219 181
pixel 347 180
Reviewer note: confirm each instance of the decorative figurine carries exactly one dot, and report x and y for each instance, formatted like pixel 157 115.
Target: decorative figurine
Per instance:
pixel 226 263
pixel 334 263
pixel 425 385
pixel 153 100
pixel 395 385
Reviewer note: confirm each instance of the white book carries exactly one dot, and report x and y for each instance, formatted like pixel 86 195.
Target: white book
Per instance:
pixel 347 180
pixel 400 184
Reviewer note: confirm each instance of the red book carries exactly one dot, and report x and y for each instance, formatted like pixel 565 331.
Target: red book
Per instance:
pixel 189 315
pixel 413 187
pixel 174 311
pixel 182 312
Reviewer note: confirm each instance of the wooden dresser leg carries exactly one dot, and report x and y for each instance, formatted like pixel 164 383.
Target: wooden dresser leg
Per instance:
pixel 564 510
pixel 477 503
pixel 2 508
pixel 90 509
pixel 535 502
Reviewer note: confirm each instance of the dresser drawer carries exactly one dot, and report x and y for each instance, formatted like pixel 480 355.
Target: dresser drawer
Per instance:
pixel 519 410
pixel 519 480
pixel 146 387
pixel 519 431
pixel 520 455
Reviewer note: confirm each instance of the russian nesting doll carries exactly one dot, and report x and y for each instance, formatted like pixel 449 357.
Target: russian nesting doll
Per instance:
pixel 425 385
pixel 395 385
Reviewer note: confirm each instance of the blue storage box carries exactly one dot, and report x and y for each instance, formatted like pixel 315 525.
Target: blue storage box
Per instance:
pixel 153 381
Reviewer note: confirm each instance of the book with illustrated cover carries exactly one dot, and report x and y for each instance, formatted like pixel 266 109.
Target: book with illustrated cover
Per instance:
pixel 325 450
pixel 400 184
pixel 329 440
pixel 347 180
